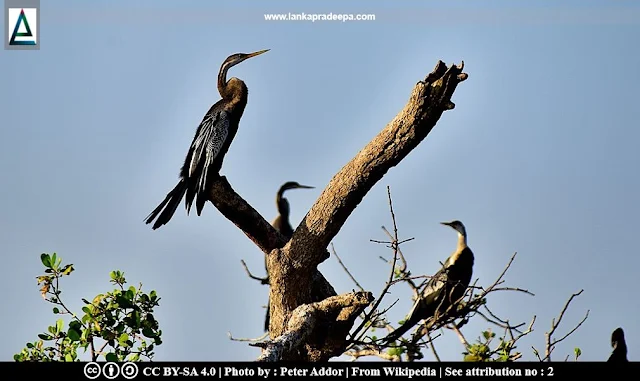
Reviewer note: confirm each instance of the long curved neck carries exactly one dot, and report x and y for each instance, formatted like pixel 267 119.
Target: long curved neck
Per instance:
pixel 222 80
pixel 462 241
pixel 283 206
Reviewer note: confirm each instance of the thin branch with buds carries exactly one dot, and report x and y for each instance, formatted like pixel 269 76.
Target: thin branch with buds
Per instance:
pixel 550 342
pixel 373 316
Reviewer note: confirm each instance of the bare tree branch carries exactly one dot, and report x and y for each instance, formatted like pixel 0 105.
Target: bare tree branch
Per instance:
pixel 433 347
pixel 429 99
pixel 304 319
pixel 463 340
pixel 372 316
pixel 333 250
pixel 244 216
pixel 255 340
pixel 355 354
pixel 550 342
pixel 264 280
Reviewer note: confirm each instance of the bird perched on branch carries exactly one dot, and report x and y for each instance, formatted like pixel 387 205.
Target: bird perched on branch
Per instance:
pixel 281 223
pixel 445 288
pixel 209 146
pixel 619 345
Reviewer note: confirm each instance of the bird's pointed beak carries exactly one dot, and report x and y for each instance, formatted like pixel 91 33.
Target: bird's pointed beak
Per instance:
pixel 256 53
pixel 305 187
pixel 446 223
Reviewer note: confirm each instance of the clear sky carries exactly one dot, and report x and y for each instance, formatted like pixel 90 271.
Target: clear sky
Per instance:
pixel 539 157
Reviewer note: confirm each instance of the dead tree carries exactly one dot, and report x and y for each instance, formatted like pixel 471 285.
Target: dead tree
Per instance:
pixel 309 321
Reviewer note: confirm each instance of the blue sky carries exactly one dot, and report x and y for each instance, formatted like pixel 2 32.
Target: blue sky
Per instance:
pixel 538 157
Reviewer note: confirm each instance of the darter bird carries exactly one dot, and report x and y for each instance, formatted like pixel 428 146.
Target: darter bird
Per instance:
pixel 619 345
pixel 281 223
pixel 209 146
pixel 445 288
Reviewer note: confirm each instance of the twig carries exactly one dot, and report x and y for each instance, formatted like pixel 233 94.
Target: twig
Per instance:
pixel 264 336
pixel 264 280
pixel 333 250
pixel 376 304
pixel 573 330
pixel 551 343
pixel 433 347
pixel 372 312
pixel 535 352
pixel 355 354
pixel 463 340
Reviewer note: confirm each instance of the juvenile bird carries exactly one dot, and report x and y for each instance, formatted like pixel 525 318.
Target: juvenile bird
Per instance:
pixel 445 288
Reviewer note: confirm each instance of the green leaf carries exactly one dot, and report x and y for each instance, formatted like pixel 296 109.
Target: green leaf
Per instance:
pixel 130 294
pixel 75 324
pixel 111 357
pixel 56 310
pixel 123 339
pixel 148 332
pixel 45 337
pixel 46 260
pixel 73 334
pixel 29 345
pixel 59 325
pixel 578 352
pixel 488 335
pixel 134 357
pixel 54 260
pixel 68 358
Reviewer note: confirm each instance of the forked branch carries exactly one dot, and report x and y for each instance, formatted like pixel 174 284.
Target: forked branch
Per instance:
pixel 292 267
pixel 550 341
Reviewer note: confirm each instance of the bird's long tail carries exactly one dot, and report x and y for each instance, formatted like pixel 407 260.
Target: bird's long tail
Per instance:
pixel 168 206
pixel 398 332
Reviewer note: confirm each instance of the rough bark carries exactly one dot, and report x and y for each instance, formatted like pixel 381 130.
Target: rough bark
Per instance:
pixel 294 278
pixel 336 313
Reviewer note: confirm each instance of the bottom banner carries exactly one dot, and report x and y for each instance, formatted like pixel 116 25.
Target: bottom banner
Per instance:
pixel 346 370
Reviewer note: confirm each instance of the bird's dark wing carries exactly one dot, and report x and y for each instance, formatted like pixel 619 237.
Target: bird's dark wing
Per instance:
pixel 212 133
pixel 430 293
pixel 445 281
